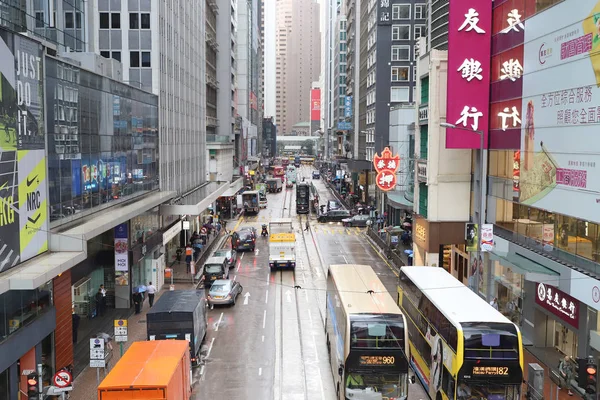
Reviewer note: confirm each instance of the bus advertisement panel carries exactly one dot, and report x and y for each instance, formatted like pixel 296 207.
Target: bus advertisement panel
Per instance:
pixel 366 335
pixel 302 197
pixel 460 346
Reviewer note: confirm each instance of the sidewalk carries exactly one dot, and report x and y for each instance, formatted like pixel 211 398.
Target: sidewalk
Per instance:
pixel 85 385
pixel 549 386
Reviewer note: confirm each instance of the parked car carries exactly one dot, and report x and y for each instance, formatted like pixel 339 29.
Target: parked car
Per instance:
pixel 230 254
pixel 215 268
pixel 316 175
pixel 334 216
pixel 224 291
pixel 333 205
pixel 357 220
pixel 244 239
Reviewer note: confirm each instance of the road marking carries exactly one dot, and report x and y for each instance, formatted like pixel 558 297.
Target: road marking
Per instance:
pixel 238 267
pixel 288 296
pixel 256 252
pixel 246 297
pixel 267 296
pixel 344 257
pixel 212 341
pixel 310 318
pixel 264 319
pixel 383 258
pixel 202 371
pixel 235 276
pixel 235 228
pixel 263 338
pixel 259 371
pixel 242 257
pixel 315 344
pixel 219 323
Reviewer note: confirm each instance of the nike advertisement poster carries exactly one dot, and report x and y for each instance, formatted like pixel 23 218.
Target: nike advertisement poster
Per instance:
pixel 23 184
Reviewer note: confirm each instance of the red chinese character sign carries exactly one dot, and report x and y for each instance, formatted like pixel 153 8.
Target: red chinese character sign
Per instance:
pixel 469 53
pixel 386 166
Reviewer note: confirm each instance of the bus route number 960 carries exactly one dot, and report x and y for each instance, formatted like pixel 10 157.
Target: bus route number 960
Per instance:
pixel 377 360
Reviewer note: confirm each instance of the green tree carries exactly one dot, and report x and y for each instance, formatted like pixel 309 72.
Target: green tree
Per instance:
pixel 309 147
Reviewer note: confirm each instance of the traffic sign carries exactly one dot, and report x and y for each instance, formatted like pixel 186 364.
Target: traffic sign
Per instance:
pixel 97 363
pixel 203 230
pixel 62 379
pixel 121 338
pixel 96 349
pixel 121 322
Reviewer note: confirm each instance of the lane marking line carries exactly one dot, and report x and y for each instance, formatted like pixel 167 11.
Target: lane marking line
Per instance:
pixel 267 298
pixel 242 256
pixel 263 338
pixel 259 371
pixel 212 342
pixel 219 323
pixel 238 267
pixel 383 258
pixel 264 319
pixel 310 317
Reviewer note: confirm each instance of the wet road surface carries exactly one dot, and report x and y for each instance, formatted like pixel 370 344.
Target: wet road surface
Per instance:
pixel 271 343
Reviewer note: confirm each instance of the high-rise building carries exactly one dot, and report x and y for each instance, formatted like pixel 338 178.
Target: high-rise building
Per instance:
pixel 298 54
pixel 226 73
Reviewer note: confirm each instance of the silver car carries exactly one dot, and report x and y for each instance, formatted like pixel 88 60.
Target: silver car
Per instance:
pixel 224 291
pixel 357 220
pixel 230 254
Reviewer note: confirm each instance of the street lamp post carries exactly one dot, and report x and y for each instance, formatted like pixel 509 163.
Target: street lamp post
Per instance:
pixel 480 200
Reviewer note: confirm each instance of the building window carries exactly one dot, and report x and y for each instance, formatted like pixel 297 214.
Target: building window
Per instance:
pixel 105 53
pixel 400 53
pixel 419 11
pixel 116 55
pixel 399 94
pixel 419 31
pixel 400 74
pixel 146 59
pixel 134 59
pixel 115 20
pixel 401 11
pixel 69 20
pixel 78 24
pixel 104 21
pixel 145 20
pixel 400 32
pixel 39 19
pixel 134 21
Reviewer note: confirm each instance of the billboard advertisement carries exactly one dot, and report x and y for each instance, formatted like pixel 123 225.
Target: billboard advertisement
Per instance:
pixel 315 104
pixel 469 52
pixel 561 107
pixel 23 184
pixel 121 248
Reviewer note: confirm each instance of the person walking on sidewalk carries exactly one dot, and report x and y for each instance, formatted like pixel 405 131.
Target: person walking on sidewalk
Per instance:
pixel 151 289
pixel 565 367
pixel 137 301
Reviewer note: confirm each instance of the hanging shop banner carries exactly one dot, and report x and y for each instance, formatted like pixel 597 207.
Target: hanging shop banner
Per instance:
pixel 121 248
pixel 558 303
pixel 560 170
pixel 487 237
pixel 386 166
pixel 469 54
pixel 23 185
pixel 471 236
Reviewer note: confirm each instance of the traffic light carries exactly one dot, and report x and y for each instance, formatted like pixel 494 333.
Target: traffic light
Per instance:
pixel 588 374
pixel 33 380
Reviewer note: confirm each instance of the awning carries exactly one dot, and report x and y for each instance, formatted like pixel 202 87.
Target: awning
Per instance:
pixel 197 201
pixel 398 200
pixel 234 188
pixel 533 271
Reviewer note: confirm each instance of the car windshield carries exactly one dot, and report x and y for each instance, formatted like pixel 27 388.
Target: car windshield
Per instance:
pixel 222 288
pixel 222 253
pixel 213 269
pixel 245 235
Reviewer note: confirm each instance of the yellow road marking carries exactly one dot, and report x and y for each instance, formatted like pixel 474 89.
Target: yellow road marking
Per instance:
pixel 381 256
pixel 235 228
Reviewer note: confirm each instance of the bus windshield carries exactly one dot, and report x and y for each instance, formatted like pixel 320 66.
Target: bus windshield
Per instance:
pixel 377 334
pixel 490 341
pixel 487 390
pixel 364 385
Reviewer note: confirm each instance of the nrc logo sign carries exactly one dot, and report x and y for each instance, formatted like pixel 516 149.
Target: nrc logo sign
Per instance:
pixel 33 200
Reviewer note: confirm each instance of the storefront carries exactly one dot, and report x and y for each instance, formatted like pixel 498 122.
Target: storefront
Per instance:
pixel 432 241
pixel 172 239
pixel 146 240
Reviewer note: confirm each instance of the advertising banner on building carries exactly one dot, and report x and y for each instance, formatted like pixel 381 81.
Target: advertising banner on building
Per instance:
pixel 121 248
pixel 558 303
pixel 487 237
pixel 383 12
pixel 386 166
pixel 348 106
pixel 315 105
pixel 559 170
pixel 469 52
pixel 23 185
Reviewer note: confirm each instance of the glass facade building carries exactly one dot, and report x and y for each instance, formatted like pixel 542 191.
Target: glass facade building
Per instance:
pixel 102 140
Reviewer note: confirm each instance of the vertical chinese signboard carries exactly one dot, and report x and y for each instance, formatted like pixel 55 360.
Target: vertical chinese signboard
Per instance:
pixel 23 185
pixel 384 16
pixel 469 50
pixel 386 166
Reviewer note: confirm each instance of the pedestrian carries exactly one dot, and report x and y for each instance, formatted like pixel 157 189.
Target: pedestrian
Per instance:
pixel 151 289
pixel 307 225
pixel 107 339
pixel 99 304
pixel 225 225
pixel 188 257
pixel 137 301
pixel 103 291
pixel 566 371
pixel 494 303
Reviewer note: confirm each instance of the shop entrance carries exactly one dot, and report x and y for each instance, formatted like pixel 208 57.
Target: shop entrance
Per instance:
pixel 553 340
pixel 565 340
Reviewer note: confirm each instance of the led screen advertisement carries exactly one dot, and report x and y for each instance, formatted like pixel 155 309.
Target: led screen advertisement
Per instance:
pixel 315 104
pixel 559 167
pixel 23 186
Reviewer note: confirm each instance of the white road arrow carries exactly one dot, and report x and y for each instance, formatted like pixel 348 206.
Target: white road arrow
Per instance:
pixel 288 295
pixel 246 297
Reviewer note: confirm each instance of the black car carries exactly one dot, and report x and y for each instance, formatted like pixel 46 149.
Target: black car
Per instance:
pixel 334 215
pixel 244 239
pixel 316 175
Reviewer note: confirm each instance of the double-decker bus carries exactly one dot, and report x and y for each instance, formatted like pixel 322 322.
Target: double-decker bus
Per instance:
pixel 366 332
pixel 461 346
pixel 291 173
pixel 279 172
pixel 302 197
pixel 297 161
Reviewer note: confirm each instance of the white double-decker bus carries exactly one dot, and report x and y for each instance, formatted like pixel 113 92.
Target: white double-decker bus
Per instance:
pixel 367 339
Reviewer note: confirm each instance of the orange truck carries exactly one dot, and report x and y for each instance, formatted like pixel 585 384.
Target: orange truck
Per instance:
pixel 153 370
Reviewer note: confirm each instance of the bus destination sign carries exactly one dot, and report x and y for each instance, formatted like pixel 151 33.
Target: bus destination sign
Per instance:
pixel 377 361
pixel 489 371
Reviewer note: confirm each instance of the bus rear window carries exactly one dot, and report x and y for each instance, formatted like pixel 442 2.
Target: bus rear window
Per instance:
pixel 376 334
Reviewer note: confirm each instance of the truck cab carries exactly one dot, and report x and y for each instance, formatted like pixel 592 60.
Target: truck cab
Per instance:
pixel 282 244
